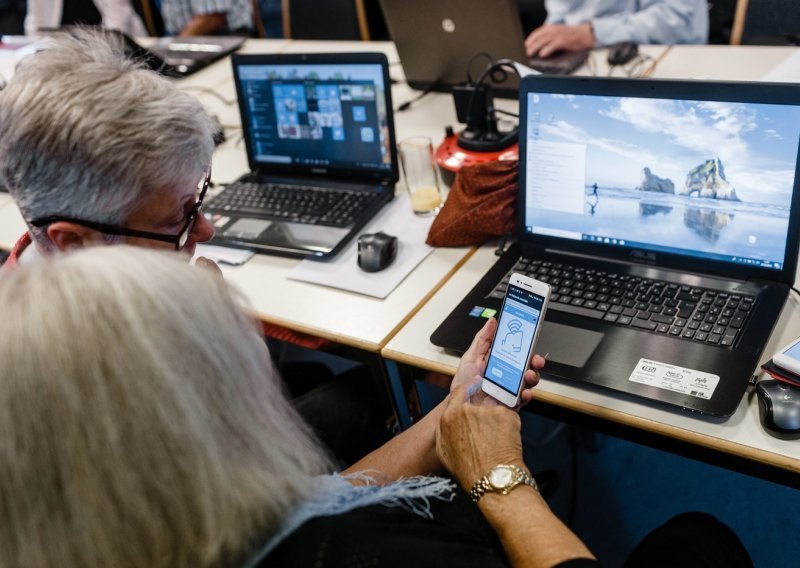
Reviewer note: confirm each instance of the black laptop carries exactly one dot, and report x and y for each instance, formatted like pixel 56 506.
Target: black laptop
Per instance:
pixel 186 55
pixel 664 215
pixel 171 56
pixel 320 142
pixel 442 43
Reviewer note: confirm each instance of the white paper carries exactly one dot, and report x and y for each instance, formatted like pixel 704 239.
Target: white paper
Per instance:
pixel 395 219
pixel 786 72
pixel 226 255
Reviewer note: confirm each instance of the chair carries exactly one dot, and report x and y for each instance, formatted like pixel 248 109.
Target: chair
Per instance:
pixel 766 22
pixel 332 19
pixel 151 16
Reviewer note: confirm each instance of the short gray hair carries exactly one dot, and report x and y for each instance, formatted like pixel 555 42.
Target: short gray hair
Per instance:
pixel 87 133
pixel 142 421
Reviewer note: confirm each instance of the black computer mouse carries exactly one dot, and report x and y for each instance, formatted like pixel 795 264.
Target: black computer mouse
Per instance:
pixel 376 251
pixel 779 409
pixel 621 53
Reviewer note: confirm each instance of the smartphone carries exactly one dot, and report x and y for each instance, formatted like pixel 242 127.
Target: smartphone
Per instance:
pixel 788 358
pixel 517 331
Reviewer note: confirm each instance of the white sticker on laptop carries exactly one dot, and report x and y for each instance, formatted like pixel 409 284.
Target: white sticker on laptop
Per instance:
pixel 674 378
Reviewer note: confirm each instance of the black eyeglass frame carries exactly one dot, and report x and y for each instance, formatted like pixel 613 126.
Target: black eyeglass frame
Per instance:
pixel 178 240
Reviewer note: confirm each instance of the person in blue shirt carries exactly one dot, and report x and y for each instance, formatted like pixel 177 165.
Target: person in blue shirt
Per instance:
pixel 577 25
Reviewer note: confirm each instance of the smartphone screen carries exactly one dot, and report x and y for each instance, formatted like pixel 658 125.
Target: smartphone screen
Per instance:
pixel 793 351
pixel 511 349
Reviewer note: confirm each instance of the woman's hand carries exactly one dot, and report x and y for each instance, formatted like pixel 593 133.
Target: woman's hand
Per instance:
pixel 473 438
pixel 473 364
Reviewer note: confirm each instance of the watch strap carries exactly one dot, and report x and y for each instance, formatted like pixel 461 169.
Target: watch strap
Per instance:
pixel 484 485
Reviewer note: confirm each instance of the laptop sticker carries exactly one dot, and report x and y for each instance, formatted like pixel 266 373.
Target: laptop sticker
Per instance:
pixel 476 311
pixel 674 378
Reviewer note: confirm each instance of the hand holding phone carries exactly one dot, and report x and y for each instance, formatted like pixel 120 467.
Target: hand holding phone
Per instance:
pixel 515 338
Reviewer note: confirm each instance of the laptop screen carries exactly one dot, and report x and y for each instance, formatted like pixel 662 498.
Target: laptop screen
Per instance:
pixel 706 179
pixel 331 116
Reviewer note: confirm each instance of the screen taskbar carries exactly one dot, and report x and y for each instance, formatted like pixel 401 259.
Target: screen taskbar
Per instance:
pixel 746 261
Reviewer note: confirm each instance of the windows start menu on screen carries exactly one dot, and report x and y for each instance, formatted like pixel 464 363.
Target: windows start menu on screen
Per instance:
pixel 331 122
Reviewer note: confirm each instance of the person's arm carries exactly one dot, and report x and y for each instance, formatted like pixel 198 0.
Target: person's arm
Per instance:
pixel 656 21
pixel 471 440
pixel 204 24
pixel 413 452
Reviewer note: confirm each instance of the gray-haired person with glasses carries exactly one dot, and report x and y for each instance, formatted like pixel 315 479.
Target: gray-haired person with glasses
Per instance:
pixel 95 149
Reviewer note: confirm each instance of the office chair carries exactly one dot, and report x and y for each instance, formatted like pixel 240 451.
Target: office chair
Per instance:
pixel 151 16
pixel 766 22
pixel 332 19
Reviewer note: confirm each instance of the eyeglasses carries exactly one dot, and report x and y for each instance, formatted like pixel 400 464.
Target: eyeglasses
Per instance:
pixel 178 240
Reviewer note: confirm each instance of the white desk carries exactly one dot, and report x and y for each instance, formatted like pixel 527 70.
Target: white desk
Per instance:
pixel 343 317
pixel 720 62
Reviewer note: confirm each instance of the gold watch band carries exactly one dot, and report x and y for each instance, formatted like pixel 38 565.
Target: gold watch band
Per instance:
pixel 484 484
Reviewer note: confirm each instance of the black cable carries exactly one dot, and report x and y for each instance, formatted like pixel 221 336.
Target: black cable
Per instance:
pixel 473 59
pixel 499 64
pixel 406 105
pixel 501 111
pixel 795 290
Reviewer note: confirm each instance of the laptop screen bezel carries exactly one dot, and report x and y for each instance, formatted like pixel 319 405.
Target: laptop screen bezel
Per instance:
pixel 356 58
pixel 722 91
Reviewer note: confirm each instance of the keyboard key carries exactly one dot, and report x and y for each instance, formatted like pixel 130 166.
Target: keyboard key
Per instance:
pixel 688 333
pixel 701 336
pixel 624 320
pixel 578 310
pixel 727 340
pixel 643 324
pixel 713 338
pixel 662 328
pixel 675 330
pixel 610 317
pixel 659 318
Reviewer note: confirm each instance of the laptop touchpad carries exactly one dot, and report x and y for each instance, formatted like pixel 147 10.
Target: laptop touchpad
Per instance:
pixel 566 344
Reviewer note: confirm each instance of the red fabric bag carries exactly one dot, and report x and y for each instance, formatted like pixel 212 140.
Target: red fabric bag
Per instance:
pixel 482 204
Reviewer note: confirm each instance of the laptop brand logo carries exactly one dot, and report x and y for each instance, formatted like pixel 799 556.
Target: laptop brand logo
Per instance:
pixel 643 256
pixel 448 25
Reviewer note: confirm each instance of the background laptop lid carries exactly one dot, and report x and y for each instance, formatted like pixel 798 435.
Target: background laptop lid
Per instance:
pixel 318 114
pixel 440 41
pixel 691 175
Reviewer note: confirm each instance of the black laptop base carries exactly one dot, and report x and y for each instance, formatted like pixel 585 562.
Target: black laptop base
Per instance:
pixel 591 351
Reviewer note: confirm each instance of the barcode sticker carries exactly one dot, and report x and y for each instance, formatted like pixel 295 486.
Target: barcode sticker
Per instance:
pixel 674 378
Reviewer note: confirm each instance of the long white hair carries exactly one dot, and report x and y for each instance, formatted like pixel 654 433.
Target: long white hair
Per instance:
pixel 141 420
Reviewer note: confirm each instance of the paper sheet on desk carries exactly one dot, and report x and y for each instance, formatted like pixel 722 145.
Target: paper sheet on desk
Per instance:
pixel 786 72
pixel 396 219
pixel 227 255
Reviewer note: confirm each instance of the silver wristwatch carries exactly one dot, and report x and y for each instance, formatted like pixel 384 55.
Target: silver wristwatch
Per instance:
pixel 501 479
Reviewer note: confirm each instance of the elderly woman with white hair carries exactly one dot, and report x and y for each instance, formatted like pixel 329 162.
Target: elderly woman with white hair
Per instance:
pixel 96 149
pixel 139 430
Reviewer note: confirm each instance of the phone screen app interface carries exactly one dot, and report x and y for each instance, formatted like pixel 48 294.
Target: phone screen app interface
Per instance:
pixel 793 351
pixel 515 330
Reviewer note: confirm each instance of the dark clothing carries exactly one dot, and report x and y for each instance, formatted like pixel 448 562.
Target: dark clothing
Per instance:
pixel 12 17
pixel 383 536
pixel 80 12
pixel 690 540
pixel 460 536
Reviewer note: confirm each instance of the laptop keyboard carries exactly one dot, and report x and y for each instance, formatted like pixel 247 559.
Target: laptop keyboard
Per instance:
pixel 299 204
pixel 694 314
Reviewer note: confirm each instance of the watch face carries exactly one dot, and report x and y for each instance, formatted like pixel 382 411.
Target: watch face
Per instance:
pixel 501 477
